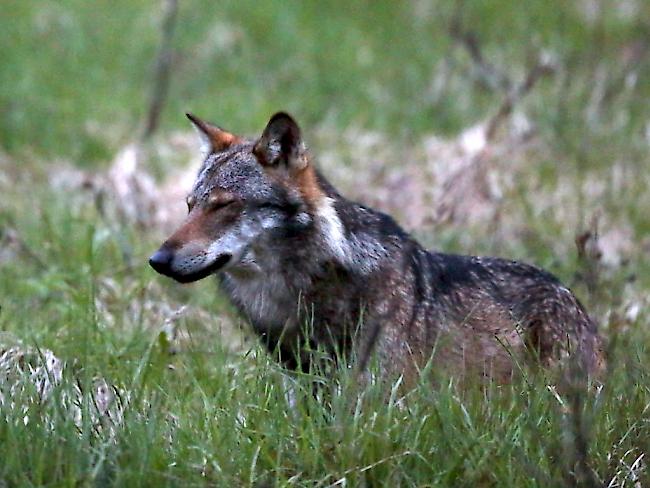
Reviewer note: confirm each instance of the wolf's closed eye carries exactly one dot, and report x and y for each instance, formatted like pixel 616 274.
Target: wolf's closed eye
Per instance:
pixel 219 203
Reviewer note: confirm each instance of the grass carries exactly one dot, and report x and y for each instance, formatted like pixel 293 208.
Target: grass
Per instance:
pixel 206 405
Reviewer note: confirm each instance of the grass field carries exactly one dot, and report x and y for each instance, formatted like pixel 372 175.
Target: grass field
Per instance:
pixel 390 95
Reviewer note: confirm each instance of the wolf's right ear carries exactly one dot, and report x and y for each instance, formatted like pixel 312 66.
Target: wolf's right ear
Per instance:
pixel 213 138
pixel 281 143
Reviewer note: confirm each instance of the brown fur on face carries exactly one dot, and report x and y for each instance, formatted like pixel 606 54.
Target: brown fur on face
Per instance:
pixel 205 219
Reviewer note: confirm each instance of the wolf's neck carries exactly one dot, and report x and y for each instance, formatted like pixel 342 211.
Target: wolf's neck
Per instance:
pixel 357 238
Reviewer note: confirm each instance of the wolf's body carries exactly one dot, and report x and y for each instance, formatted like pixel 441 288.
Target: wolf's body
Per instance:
pixel 310 268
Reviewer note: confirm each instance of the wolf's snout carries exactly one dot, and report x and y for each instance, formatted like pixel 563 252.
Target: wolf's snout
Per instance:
pixel 185 268
pixel 161 260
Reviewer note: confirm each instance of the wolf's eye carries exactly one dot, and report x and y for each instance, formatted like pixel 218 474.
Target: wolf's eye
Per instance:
pixel 216 203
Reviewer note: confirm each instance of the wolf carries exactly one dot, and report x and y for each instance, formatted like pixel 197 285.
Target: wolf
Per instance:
pixel 288 249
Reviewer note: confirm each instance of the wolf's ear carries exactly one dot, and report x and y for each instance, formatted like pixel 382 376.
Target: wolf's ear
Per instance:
pixel 281 143
pixel 213 138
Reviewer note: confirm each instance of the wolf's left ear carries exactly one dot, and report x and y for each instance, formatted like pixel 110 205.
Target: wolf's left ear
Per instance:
pixel 213 138
pixel 281 143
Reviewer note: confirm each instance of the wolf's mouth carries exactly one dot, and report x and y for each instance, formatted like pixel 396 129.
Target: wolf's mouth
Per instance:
pixel 219 263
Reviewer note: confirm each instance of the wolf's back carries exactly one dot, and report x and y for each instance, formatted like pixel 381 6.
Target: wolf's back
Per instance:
pixel 501 307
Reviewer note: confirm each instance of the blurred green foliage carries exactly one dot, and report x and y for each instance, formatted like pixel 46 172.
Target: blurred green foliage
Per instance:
pixel 76 75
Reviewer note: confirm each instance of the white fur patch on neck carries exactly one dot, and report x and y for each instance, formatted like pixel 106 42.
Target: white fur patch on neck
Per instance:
pixel 362 253
pixel 332 228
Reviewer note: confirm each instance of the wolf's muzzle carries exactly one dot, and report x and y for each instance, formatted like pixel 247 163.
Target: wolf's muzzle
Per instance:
pixel 162 261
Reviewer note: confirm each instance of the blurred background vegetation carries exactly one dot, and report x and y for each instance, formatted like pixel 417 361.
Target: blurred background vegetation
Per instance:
pixel 76 75
pixel 396 98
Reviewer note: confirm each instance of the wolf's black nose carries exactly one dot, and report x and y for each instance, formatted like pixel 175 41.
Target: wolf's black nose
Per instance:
pixel 161 260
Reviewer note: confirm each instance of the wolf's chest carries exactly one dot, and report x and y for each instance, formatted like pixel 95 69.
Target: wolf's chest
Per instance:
pixel 266 299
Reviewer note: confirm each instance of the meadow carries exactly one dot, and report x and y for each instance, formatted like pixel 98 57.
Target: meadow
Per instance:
pixel 484 127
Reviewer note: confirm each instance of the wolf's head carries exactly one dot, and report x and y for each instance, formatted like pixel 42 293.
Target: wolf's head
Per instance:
pixel 248 195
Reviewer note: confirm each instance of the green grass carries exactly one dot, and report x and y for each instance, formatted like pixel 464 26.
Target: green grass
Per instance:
pixel 74 83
